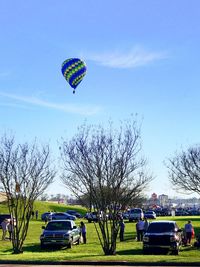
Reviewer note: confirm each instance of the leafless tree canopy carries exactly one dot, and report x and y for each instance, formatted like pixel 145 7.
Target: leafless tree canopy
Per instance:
pixel 184 170
pixel 25 173
pixel 105 164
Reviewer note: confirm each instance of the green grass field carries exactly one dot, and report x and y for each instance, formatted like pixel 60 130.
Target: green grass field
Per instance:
pixel 129 250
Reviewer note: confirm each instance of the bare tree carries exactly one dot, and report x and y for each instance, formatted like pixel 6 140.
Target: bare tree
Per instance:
pixel 184 170
pixel 25 173
pixel 105 167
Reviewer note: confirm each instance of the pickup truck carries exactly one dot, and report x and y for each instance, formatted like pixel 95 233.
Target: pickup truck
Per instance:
pixel 60 233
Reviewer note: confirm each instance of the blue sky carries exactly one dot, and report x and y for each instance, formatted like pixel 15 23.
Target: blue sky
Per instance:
pixel 142 58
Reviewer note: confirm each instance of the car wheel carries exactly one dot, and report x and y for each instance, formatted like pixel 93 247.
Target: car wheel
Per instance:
pixel 176 252
pixel 145 251
pixel 78 241
pixel 70 243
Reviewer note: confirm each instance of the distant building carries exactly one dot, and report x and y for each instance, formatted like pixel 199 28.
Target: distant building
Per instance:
pixel 154 196
pixel 163 200
pixel 153 201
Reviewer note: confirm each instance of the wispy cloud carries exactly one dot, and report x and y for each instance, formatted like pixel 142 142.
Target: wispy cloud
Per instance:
pixel 131 59
pixel 4 74
pixel 69 108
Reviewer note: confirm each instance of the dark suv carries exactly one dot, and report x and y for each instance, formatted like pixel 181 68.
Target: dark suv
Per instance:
pixel 162 235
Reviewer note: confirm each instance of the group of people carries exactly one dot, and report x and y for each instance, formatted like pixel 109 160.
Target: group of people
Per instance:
pixel 34 213
pixel 142 226
pixel 7 226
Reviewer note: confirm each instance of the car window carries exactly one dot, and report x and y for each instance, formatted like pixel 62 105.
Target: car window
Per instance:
pixel 160 227
pixel 136 211
pixel 58 226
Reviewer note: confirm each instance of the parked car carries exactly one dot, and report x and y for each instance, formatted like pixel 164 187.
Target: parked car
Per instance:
pixel 60 232
pixel 150 214
pixel 45 215
pixel 125 215
pixel 181 213
pixel 136 214
pixel 75 213
pixel 194 212
pixel 162 235
pixel 162 212
pixel 92 216
pixel 61 216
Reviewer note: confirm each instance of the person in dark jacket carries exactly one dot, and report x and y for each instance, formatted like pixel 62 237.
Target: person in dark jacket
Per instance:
pixel 121 230
pixel 83 232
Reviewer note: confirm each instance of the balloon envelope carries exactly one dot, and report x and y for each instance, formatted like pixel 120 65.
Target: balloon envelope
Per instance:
pixel 74 69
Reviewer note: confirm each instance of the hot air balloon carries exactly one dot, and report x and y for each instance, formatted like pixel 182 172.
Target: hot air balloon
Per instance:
pixel 74 69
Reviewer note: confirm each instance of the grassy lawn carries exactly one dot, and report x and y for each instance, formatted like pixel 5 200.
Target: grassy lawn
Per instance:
pixel 129 250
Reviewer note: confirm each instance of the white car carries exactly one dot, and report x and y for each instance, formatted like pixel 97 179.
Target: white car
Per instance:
pixel 150 214
pixel 136 214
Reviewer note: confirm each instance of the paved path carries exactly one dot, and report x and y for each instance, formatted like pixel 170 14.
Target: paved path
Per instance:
pixel 90 265
pixel 15 265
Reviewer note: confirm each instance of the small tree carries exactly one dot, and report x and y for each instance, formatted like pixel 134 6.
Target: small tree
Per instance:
pixel 25 173
pixel 103 167
pixel 184 170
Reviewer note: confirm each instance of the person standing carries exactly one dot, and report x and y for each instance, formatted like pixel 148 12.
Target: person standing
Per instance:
pixel 83 232
pixel 36 214
pixel 146 224
pixel 4 226
pixel 140 229
pixel 121 230
pixel 188 232
pixel 10 229
pixel 32 214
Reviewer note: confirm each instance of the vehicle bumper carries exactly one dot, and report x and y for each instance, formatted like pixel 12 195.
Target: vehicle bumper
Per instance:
pixel 172 246
pixel 61 242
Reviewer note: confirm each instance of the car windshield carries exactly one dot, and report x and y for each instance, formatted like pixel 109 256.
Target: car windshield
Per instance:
pixel 161 227
pixel 52 226
pixel 135 211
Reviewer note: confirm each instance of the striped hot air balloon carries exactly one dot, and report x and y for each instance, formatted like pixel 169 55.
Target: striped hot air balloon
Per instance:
pixel 74 69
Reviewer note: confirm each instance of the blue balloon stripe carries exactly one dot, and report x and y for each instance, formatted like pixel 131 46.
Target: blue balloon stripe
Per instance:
pixel 71 70
pixel 75 77
pixel 68 65
pixel 78 79
pixel 72 80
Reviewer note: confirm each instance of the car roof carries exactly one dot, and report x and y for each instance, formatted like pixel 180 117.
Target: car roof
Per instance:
pixel 61 221
pixel 164 221
pixel 149 211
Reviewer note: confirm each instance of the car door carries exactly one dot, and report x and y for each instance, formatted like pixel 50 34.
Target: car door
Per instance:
pixel 75 232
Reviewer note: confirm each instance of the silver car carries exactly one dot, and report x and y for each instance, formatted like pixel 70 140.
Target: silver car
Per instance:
pixel 61 216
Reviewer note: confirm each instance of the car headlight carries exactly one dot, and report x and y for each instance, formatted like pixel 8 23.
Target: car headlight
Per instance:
pixel 66 236
pixel 146 239
pixel 173 239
